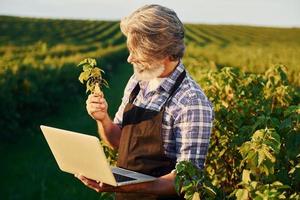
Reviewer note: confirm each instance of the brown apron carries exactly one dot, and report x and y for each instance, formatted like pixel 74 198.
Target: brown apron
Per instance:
pixel 141 145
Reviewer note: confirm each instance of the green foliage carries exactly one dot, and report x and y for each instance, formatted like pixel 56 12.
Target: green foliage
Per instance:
pixel 192 182
pixel 259 153
pixel 92 75
pixel 107 196
pixel 256 135
pixel 252 49
pixel 34 83
pixel 111 154
pixel 28 95
pixel 258 191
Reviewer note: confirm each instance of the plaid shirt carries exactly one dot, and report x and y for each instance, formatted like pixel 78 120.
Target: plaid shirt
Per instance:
pixel 187 120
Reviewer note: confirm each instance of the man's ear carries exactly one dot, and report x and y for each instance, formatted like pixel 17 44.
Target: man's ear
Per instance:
pixel 166 61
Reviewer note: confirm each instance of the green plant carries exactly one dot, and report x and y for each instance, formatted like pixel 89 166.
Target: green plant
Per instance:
pixel 255 139
pixel 92 75
pixel 259 156
pixel 192 182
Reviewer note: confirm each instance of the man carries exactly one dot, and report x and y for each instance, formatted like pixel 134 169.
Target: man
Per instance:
pixel 164 117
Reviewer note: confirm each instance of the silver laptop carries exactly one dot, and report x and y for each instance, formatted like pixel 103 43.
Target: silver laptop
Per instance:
pixel 78 153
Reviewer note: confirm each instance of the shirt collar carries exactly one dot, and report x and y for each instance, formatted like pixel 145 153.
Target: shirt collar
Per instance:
pixel 168 83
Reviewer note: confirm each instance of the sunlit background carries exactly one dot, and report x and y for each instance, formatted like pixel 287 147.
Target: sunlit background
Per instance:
pixel 244 54
pixel 285 13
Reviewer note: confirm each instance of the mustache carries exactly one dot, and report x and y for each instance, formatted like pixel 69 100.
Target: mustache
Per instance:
pixel 144 66
pixel 148 72
pixel 139 67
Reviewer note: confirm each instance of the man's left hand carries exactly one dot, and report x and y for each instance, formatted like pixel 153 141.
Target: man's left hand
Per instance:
pixel 97 186
pixel 163 185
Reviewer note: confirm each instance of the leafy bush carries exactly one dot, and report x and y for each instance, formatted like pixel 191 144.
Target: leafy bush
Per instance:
pixel 29 94
pixel 192 182
pixel 31 91
pixel 254 149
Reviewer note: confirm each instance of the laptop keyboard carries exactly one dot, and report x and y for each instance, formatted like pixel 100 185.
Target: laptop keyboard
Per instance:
pixel 121 178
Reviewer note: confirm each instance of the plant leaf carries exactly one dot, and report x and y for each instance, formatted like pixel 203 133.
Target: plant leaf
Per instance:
pixel 246 176
pixel 242 194
pixel 196 196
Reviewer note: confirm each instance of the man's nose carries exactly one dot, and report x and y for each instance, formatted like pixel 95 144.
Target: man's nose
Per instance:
pixel 129 59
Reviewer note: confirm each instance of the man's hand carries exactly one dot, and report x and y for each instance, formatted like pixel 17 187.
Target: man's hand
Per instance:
pixel 102 187
pixel 97 106
pixel 163 185
pixel 97 186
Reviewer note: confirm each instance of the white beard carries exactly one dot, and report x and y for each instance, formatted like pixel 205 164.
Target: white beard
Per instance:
pixel 146 73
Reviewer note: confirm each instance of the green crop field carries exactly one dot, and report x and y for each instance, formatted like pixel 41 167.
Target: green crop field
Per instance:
pixel 251 74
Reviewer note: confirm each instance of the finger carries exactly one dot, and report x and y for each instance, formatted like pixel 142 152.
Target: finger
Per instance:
pixel 90 183
pixel 85 180
pixel 102 100
pixel 89 98
pixel 80 177
pixel 99 94
pixel 106 187
pixel 92 98
pixel 95 99
pixel 93 110
pixel 88 108
pixel 99 106
pixel 96 189
pixel 94 106
pixel 102 106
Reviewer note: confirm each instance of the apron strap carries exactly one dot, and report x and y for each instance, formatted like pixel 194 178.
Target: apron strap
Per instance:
pixel 137 88
pixel 177 84
pixel 134 93
pixel 174 88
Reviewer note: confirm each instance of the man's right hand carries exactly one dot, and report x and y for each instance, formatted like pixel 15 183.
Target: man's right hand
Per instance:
pixel 97 106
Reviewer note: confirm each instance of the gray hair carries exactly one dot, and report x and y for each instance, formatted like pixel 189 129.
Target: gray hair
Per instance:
pixel 155 32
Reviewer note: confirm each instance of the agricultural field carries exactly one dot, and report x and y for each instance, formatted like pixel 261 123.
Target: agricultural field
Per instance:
pixel 251 74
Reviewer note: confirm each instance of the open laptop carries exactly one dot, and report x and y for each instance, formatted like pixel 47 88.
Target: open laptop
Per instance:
pixel 78 153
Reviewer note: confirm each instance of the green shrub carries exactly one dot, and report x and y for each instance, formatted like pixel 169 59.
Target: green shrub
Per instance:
pixel 254 149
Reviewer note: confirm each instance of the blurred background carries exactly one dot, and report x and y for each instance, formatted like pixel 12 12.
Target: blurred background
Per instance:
pixel 42 41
